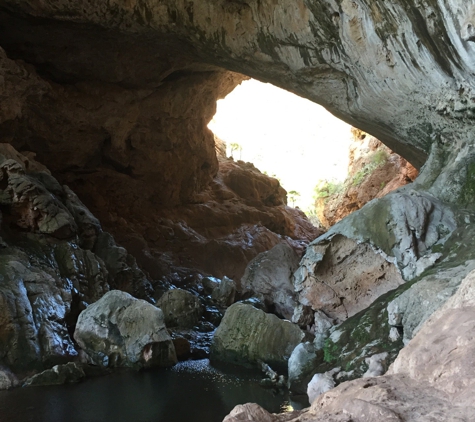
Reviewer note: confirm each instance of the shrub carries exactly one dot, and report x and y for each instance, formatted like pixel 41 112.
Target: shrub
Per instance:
pixel 326 188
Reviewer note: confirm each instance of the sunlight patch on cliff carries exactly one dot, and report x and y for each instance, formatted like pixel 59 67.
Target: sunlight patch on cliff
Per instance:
pixel 284 135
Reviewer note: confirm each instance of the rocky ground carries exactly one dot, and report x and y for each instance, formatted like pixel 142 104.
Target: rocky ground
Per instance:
pixel 69 292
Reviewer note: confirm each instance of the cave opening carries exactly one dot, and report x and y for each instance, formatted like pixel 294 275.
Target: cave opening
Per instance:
pixel 285 136
pixel 328 168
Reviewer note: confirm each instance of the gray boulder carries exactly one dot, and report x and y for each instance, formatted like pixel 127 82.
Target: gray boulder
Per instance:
pixel 248 335
pixel 224 292
pixel 406 227
pixel 302 366
pixel 181 309
pixel 7 379
pixel 409 311
pixel 269 276
pixel 119 330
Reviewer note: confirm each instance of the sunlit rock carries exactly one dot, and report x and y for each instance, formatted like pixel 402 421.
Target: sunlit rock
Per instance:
pixel 375 365
pixel 341 277
pixel 373 171
pixel 321 383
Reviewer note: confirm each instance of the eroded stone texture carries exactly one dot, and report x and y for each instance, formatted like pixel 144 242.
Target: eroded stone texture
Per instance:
pixel 408 226
pixel 373 171
pixel 49 271
pixel 341 277
pixel 132 87
pixel 408 66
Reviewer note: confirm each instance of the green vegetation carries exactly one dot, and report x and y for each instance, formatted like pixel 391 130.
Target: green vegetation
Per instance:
pixel 311 214
pixel 326 188
pixel 330 351
pixel 361 336
pixel 377 159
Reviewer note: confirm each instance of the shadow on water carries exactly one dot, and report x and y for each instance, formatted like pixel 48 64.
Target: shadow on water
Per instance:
pixel 190 391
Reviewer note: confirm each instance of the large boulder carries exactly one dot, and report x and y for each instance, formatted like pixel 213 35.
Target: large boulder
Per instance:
pixel 269 276
pixel 225 292
pixel 119 330
pixel 341 277
pixel 48 252
pixel 248 335
pixel 181 309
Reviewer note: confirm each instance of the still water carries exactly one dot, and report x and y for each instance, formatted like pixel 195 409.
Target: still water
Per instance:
pixel 190 391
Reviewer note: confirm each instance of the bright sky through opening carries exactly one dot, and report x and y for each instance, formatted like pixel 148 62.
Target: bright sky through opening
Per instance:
pixel 287 136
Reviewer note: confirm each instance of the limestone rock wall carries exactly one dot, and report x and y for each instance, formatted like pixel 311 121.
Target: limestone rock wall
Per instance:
pixel 55 260
pixel 407 63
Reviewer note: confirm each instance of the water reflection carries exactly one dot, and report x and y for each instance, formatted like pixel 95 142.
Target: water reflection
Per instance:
pixel 190 391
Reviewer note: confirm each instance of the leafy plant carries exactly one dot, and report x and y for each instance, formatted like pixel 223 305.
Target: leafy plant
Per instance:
pixel 311 214
pixel 379 157
pixel 326 188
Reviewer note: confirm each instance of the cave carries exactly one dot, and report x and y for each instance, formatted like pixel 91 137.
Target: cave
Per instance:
pixel 114 200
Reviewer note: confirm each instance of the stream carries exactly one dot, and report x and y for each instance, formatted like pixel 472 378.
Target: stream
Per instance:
pixel 190 391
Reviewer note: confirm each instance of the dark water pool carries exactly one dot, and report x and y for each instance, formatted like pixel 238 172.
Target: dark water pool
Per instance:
pixel 190 391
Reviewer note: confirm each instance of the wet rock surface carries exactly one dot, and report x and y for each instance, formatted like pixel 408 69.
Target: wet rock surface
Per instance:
pixel 115 98
pixel 425 381
pixel 59 374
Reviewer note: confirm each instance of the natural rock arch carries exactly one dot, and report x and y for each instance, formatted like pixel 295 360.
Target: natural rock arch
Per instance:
pixel 115 97
pixel 400 70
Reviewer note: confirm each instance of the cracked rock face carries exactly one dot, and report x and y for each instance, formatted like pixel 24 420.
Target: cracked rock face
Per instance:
pixel 115 97
pixel 340 277
pixel 407 64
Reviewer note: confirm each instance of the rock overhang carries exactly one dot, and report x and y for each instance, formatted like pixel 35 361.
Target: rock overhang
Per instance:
pixel 396 70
